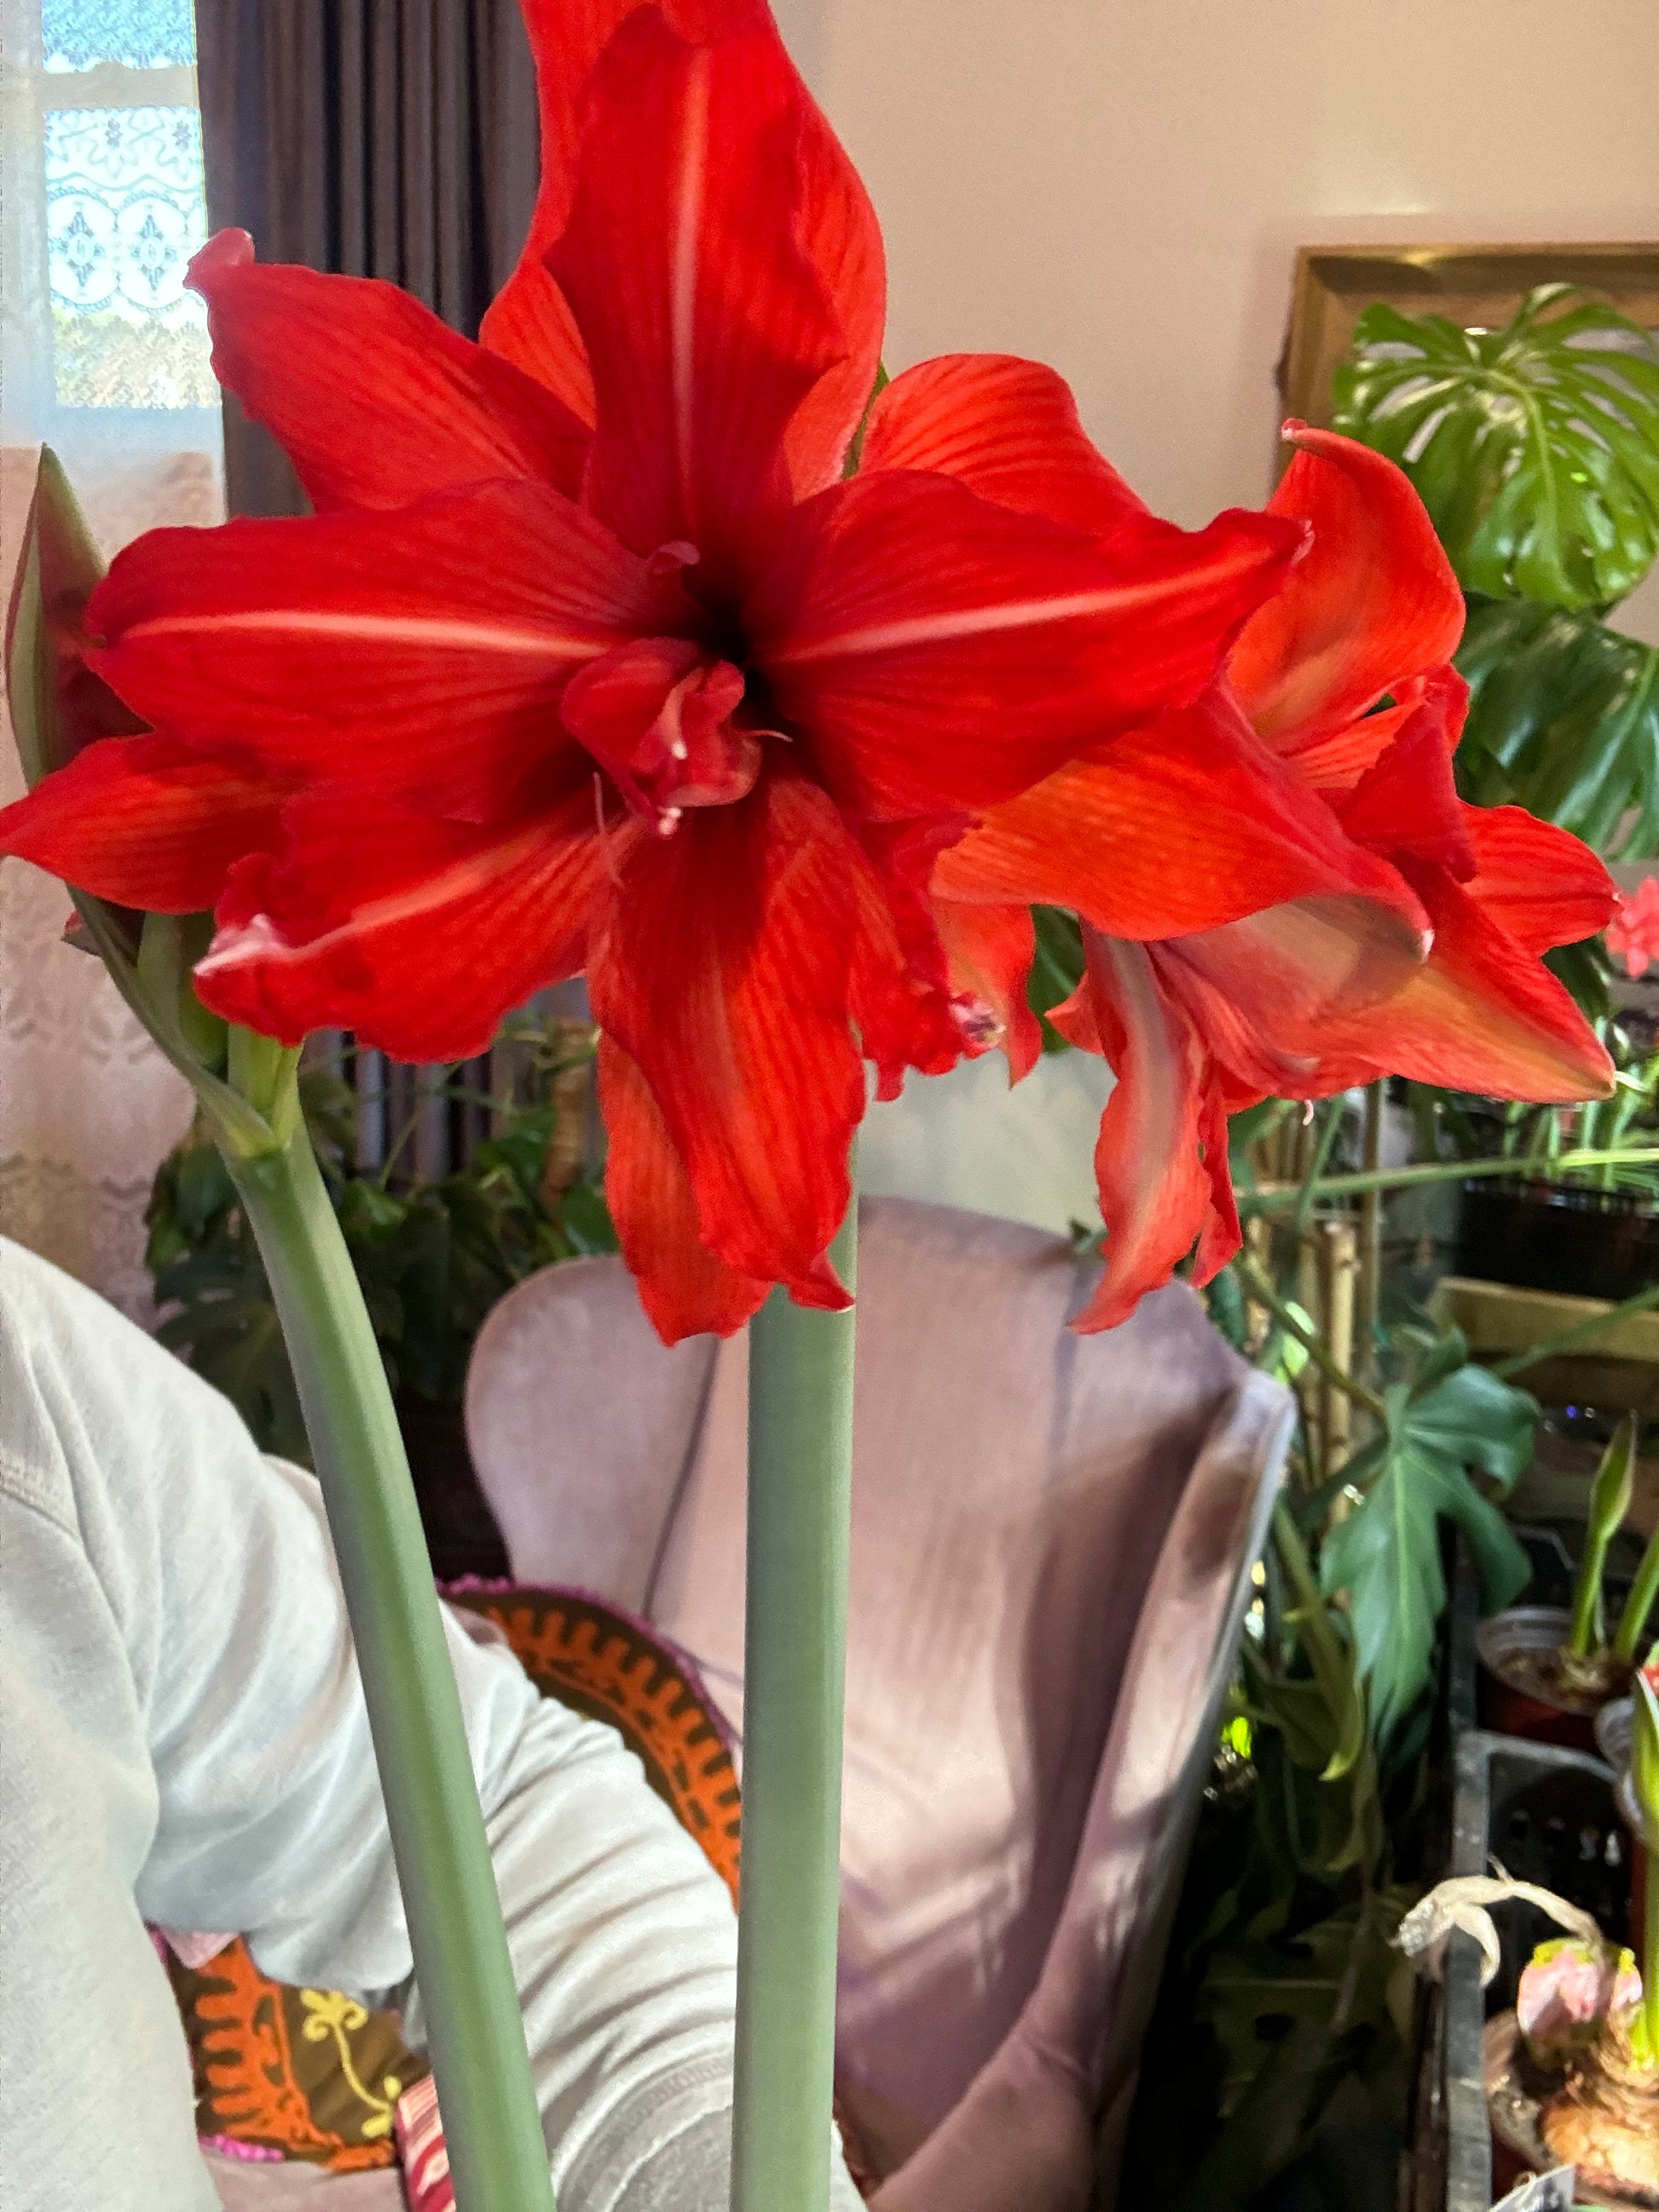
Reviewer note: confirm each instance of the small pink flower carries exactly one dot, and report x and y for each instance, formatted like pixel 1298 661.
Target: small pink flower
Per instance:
pixel 1634 930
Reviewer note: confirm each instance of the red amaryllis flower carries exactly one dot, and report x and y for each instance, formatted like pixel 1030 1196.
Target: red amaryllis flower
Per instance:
pixel 1339 693
pixel 590 658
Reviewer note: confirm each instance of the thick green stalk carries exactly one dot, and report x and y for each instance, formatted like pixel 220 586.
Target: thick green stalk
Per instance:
pixel 492 2126
pixel 1638 1606
pixel 800 1463
pixel 1609 1502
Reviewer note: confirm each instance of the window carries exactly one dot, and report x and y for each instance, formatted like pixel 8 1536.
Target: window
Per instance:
pixel 106 351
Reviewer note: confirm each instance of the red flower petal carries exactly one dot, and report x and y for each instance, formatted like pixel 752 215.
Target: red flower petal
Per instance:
pixel 1373 604
pixel 706 326
pixel 143 822
pixel 419 935
pixel 1540 885
pixel 939 652
pixel 899 989
pixel 723 973
pixel 1184 824
pixel 835 226
pixel 990 949
pixel 1005 427
pixel 684 1289
pixel 375 401
pixel 1407 802
pixel 657 715
pixel 1157 1192
pixel 419 653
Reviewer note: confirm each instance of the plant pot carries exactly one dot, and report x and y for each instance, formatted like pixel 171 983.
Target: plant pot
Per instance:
pixel 1556 1237
pixel 1521 1690
pixel 1518 2098
pixel 1546 1814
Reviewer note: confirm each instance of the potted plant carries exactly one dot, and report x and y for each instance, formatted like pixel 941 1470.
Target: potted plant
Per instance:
pixel 1549 1670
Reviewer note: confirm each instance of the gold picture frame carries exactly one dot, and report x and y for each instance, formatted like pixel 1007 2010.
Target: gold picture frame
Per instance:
pixel 1478 286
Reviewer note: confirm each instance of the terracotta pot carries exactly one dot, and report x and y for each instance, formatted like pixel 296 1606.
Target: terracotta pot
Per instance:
pixel 1512 1701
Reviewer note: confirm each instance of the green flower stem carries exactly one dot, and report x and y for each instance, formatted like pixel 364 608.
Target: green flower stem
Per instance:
pixel 1431 1171
pixel 800 1462
pixel 1609 1502
pixel 1638 1606
pixel 1257 1286
pixel 492 2125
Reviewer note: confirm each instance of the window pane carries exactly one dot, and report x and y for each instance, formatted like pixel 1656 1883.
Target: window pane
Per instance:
pixel 142 34
pixel 124 213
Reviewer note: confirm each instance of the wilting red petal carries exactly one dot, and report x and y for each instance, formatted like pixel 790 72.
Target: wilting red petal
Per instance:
pixel 684 1289
pixel 420 652
pixel 1265 990
pixel 1407 802
pixel 417 934
pixel 1482 1014
pixel 723 973
pixel 143 822
pixel 706 326
pixel 1008 429
pixel 1373 604
pixel 1184 824
pixel 990 949
pixel 939 652
pixel 1156 1192
pixel 899 987
pixel 1540 884
pixel 375 401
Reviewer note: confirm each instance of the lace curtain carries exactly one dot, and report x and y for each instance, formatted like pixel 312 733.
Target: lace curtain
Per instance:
pixel 104 356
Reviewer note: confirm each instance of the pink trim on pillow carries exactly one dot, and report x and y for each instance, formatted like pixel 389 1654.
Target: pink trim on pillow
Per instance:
pixel 232 2147
pixel 422 2148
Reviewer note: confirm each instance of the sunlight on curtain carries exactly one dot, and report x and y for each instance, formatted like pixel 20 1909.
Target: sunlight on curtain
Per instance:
pixel 103 355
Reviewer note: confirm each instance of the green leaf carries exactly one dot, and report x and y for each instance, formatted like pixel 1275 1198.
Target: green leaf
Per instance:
pixel 1056 968
pixel 1535 448
pixel 1386 1554
pixel 1564 719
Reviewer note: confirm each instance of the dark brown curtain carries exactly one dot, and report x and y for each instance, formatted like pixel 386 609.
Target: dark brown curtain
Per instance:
pixel 388 138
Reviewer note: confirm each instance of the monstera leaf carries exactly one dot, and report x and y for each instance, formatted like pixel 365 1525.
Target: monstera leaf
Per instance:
pixel 1564 719
pixel 1444 1419
pixel 1535 448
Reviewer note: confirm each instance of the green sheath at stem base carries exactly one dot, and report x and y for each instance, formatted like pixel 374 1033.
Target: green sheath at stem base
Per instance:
pixel 800 1465
pixel 492 2126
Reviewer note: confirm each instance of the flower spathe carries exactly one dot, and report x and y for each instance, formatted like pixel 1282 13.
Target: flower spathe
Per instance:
pixel 1339 707
pixel 590 659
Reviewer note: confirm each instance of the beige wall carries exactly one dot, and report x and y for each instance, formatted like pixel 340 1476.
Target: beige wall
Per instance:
pixel 1119 186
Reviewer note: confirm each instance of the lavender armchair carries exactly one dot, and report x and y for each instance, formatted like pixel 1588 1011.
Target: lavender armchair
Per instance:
pixel 1052 1545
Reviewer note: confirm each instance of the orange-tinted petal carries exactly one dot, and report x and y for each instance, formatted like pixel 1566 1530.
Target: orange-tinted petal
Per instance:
pixel 1008 429
pixel 1157 1189
pixel 1372 605
pixel 1540 884
pixel 144 822
pixel 899 989
pixel 375 400
pixel 684 1289
pixel 990 949
pixel 1184 824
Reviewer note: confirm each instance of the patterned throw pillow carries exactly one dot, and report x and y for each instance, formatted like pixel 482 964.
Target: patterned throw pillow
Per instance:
pixel 311 2073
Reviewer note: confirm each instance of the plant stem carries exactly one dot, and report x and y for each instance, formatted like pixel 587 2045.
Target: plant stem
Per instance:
pixel 1430 1171
pixel 800 1459
pixel 1370 1229
pixel 1332 1121
pixel 1638 1606
pixel 1264 1293
pixel 492 2126
pixel 1580 1332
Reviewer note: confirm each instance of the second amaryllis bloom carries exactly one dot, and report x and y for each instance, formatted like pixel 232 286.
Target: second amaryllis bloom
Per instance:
pixel 1340 711
pixel 589 658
